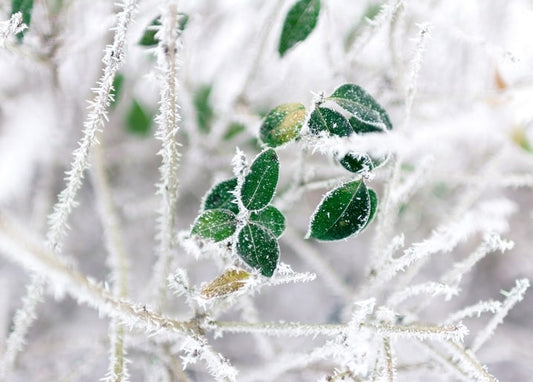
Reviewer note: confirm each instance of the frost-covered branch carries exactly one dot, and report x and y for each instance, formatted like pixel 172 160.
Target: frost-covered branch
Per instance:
pixel 22 248
pixel 22 322
pixel 512 297
pixel 428 288
pixel 475 310
pixel 117 260
pixel 168 125
pixel 491 243
pixel 96 118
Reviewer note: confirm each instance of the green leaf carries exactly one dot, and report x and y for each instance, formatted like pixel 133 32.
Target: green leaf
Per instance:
pixel 299 23
pixel 25 7
pixel 324 119
pixel 368 114
pixel 259 248
pixel 138 119
pixel 204 111
pixel 282 124
pixel 373 206
pixel 149 36
pixel 357 163
pixel 118 81
pixel 343 212
pixel 234 129
pixel 260 182
pixel 221 196
pixel 270 217
pixel 215 224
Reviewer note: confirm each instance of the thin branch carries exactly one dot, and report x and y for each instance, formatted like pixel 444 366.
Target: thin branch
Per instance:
pixel 117 259
pixel 514 296
pixel 168 121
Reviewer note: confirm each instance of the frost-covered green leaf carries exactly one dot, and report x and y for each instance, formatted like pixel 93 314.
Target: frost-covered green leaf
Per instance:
pixel 324 119
pixel 25 7
pixel 260 182
pixel 215 224
pixel 373 206
pixel 221 196
pixel 270 217
pixel 368 114
pixel 204 110
pixel 357 162
pixel 343 212
pixel 282 124
pixel 259 248
pixel 299 23
pixel 138 119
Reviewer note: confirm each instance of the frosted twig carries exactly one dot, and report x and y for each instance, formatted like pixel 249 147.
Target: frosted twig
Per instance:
pixel 429 288
pixel 474 310
pixel 512 297
pixel 279 329
pixel 468 362
pixel 117 260
pixel 96 118
pixel 11 27
pixel 487 217
pixel 196 347
pixel 390 360
pixel 372 27
pixel 22 248
pixel 491 243
pixel 168 120
pixel 296 329
pixel 22 321
pixel 414 70
pixel 440 333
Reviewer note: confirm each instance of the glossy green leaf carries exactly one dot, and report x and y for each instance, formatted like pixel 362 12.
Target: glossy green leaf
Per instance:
pixel 234 129
pixel 282 124
pixel 25 7
pixel 260 182
pixel 221 196
pixel 324 119
pixel 118 81
pixel 259 248
pixel 270 217
pixel 343 212
pixel 138 119
pixel 204 110
pixel 357 163
pixel 368 114
pixel 215 224
pixel 299 23
pixel 373 206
